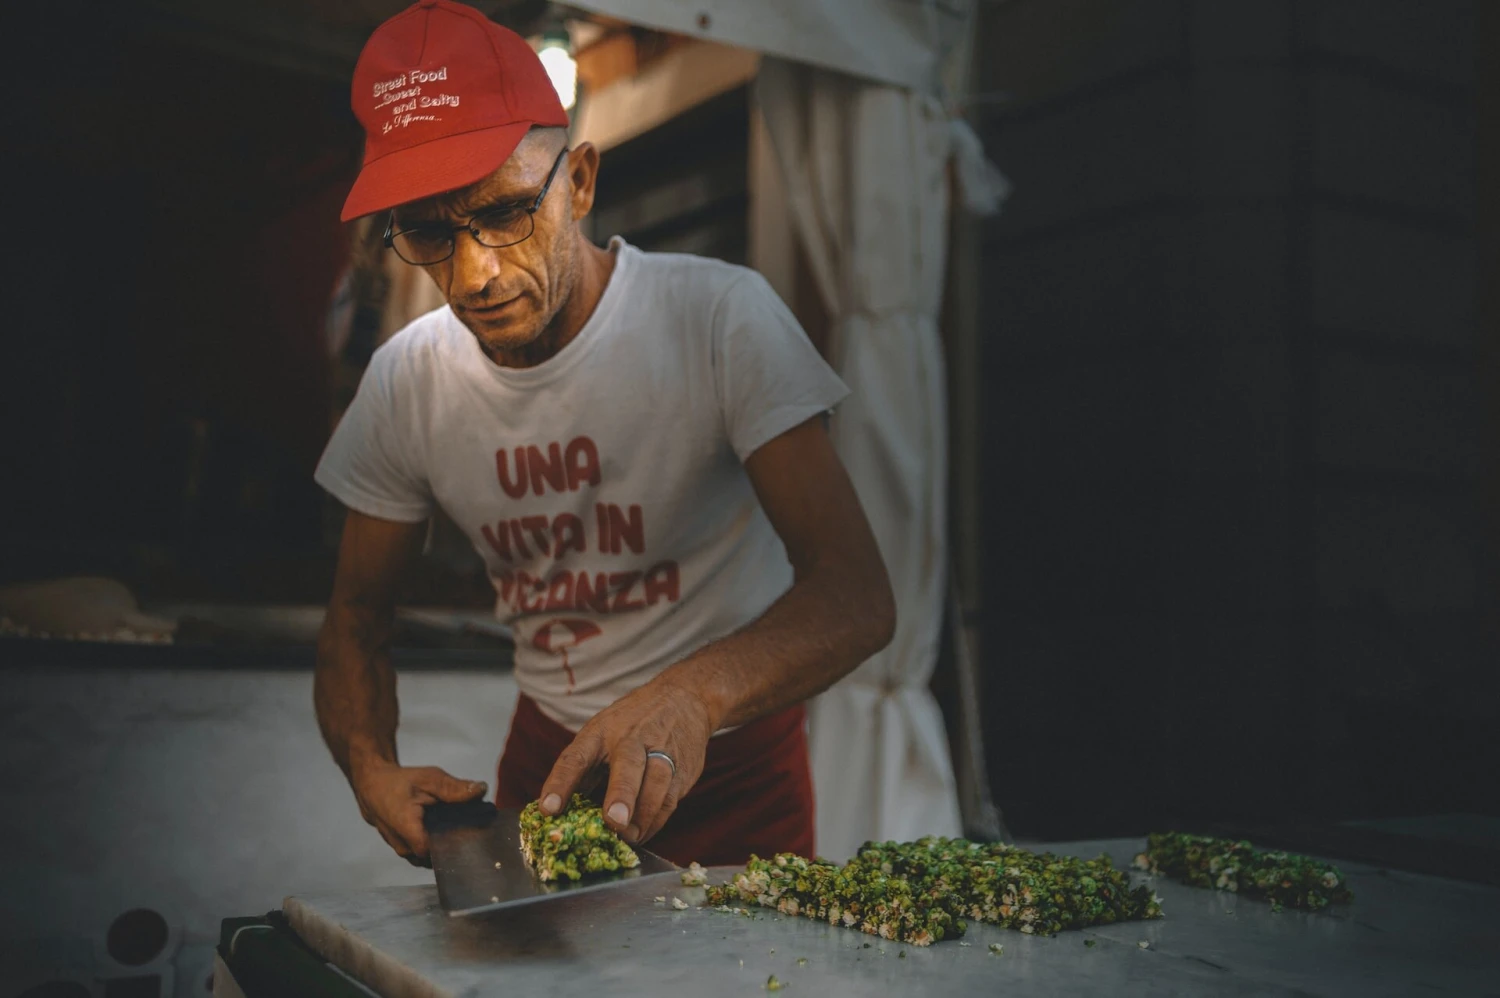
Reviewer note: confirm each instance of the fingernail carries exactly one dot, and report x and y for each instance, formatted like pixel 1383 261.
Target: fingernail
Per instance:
pixel 633 832
pixel 551 803
pixel 619 813
pixel 479 785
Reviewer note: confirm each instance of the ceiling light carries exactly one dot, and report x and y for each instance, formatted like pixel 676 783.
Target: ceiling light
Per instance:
pixel 556 52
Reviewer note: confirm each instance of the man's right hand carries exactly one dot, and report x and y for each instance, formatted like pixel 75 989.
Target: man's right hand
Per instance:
pixel 392 797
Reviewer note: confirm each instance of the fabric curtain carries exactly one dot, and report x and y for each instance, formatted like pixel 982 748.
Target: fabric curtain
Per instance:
pixel 900 42
pixel 864 168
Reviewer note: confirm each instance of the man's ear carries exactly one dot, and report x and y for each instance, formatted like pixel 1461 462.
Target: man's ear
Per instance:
pixel 583 170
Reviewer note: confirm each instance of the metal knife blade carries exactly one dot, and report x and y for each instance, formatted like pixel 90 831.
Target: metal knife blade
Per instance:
pixel 476 855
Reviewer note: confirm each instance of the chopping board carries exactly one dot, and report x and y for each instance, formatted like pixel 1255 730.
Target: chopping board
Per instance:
pixel 1407 933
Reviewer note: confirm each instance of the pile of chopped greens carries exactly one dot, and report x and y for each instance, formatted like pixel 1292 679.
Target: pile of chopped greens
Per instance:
pixel 572 843
pixel 852 895
pixel 1284 879
pixel 1039 893
pixel 921 892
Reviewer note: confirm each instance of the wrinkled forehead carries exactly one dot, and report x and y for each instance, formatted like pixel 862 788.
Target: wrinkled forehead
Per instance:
pixel 518 179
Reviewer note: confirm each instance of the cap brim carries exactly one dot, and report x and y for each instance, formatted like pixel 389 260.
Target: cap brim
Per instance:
pixel 432 168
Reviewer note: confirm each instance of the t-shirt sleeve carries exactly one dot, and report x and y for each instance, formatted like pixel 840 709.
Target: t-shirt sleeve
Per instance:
pixel 769 375
pixel 366 465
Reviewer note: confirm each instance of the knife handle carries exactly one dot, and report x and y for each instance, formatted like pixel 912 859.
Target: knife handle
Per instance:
pixel 477 813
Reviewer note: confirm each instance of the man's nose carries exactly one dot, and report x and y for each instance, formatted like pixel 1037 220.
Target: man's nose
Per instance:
pixel 474 267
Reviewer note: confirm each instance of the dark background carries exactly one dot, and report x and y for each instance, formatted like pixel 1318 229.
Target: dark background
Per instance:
pixel 1240 413
pixel 1238 381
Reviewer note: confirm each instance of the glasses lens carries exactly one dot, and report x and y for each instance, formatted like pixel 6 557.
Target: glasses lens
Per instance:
pixel 423 246
pixel 502 226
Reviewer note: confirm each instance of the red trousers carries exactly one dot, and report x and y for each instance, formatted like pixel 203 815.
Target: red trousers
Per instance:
pixel 755 794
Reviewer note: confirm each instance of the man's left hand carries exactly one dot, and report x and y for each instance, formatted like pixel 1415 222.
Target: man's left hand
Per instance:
pixel 661 716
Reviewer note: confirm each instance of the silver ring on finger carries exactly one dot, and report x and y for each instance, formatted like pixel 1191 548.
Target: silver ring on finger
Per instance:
pixel 654 754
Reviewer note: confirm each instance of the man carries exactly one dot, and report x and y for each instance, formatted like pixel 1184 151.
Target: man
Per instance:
pixel 634 442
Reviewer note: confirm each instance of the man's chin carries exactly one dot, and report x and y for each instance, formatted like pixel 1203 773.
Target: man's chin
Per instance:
pixel 502 335
pixel 497 345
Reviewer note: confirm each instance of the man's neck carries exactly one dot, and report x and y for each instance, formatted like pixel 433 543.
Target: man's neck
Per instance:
pixel 593 276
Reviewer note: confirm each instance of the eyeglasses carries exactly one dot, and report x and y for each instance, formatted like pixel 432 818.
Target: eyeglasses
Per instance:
pixel 498 227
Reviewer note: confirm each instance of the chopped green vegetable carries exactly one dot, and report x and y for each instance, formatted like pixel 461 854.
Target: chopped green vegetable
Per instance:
pixel 1091 943
pixel 694 876
pixel 1284 879
pixel 921 892
pixel 801 961
pixel 997 949
pixel 855 895
pixel 772 984
pixel 572 843
pixel 1036 893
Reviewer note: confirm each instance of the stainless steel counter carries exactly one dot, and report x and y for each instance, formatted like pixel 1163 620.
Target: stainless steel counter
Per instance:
pixel 1404 934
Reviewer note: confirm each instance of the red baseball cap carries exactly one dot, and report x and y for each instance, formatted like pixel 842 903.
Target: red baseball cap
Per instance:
pixel 445 95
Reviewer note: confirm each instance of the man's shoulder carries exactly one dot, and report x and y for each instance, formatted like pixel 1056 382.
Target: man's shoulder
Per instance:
pixel 414 346
pixel 689 279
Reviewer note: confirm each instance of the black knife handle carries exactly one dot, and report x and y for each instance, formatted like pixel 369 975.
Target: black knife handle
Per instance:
pixel 477 813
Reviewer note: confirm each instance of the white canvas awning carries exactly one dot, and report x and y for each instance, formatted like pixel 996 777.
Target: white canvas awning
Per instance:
pixel 897 42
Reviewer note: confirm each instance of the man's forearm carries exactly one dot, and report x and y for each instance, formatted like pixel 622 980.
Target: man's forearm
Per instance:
pixel 354 688
pixel 820 630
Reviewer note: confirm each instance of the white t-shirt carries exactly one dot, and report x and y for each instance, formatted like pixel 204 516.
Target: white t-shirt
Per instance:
pixel 604 488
